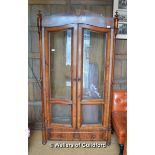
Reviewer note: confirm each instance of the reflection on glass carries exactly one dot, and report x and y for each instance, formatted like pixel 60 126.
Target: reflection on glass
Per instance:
pixel 60 63
pixel 93 64
pixel 91 114
pixel 61 114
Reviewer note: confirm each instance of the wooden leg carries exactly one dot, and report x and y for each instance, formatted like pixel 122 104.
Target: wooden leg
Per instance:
pixel 44 137
pixel 108 138
pixel 108 143
pixel 112 131
pixel 44 142
pixel 121 146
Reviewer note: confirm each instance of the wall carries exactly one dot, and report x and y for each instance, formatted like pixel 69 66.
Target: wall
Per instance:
pixel 49 7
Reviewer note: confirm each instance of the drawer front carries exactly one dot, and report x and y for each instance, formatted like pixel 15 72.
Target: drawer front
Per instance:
pixel 78 135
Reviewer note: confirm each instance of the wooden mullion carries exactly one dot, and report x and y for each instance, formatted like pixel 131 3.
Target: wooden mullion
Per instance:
pixel 60 101
pixel 91 126
pixel 79 76
pixel 74 76
pixel 93 101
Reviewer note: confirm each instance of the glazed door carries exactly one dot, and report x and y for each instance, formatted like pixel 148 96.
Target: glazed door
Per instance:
pixel 92 76
pixel 60 64
pixel 77 76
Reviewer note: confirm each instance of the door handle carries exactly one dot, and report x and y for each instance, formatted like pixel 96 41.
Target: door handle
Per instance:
pixel 78 79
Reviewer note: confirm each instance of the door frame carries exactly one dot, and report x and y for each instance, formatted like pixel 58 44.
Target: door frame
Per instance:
pixel 46 76
pixel 107 81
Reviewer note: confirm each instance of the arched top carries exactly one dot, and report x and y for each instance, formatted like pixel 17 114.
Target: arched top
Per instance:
pixel 84 18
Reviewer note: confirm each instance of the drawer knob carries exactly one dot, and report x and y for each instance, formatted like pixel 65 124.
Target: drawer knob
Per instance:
pixel 76 135
pixel 93 136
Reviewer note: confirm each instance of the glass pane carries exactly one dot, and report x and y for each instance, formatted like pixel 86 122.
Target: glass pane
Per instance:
pixel 61 113
pixel 93 64
pixel 60 63
pixel 91 114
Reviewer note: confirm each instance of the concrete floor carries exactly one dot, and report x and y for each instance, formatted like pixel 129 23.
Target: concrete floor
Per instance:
pixel 36 147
